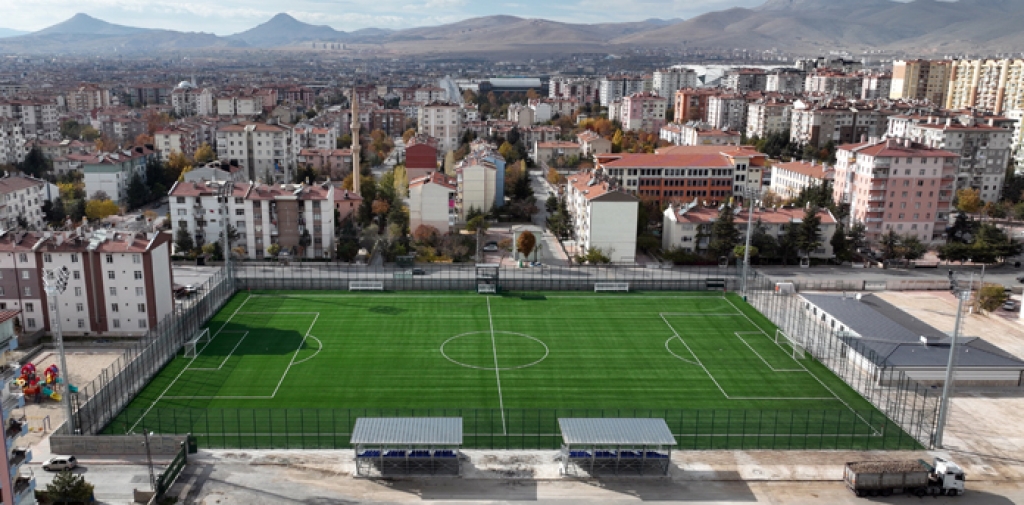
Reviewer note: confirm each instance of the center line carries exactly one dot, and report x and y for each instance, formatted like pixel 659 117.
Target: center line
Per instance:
pixel 497 374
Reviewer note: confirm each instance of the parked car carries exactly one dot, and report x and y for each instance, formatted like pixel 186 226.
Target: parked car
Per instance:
pixel 1010 305
pixel 60 463
pixel 419 271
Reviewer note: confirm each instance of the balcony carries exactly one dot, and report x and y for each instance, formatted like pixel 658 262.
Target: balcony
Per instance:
pixel 14 430
pixel 875 210
pixel 19 456
pixel 13 401
pixel 876 199
pixel 877 187
pixel 874 220
pixel 24 487
pixel 880 175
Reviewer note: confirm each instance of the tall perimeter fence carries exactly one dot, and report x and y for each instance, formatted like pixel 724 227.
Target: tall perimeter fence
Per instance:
pixel 903 403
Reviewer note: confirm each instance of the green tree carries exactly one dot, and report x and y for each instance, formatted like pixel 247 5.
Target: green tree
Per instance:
pixel 840 246
pixel 890 243
pixel 67 487
pixel 53 212
pixel 809 236
pixel 138 193
pixel 525 243
pixel 478 223
pixel 183 241
pixel 991 297
pixel 789 245
pixel 741 250
pixel 274 249
pixel 856 237
pixel 35 164
pixel 214 250
pixel 724 234
pixel 551 204
pixel 911 248
pixel 594 256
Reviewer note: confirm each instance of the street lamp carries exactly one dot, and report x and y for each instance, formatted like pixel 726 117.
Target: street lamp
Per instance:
pixel 226 190
pixel 149 460
pixel 947 388
pixel 56 282
pixel 749 194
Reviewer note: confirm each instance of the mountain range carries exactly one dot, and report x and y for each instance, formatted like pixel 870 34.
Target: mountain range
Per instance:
pixel 917 27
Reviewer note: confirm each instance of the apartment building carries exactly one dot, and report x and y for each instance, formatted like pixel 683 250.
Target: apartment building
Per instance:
pixel 16 488
pixel 983 149
pixel 765 117
pixel 315 137
pixel 241 105
pixel 333 163
pixel 584 90
pixel 266 151
pixel 521 115
pixel 546 152
pixel 298 217
pixel 12 142
pixel 640 112
pixel 727 112
pixel 666 82
pixel 743 80
pixel 111 173
pixel 692 104
pixel 432 202
pixel 683 173
pixel 39 120
pixel 920 80
pixel 603 217
pixel 443 121
pixel 789 179
pixel 87 97
pixel 188 100
pixel 121 283
pixel 992 85
pixel 593 144
pixel 613 89
pixel 819 125
pixel 23 197
pixel 698 134
pixel 897 184
pixel 876 85
pixel 689 226
pixel 421 156
pixel 785 81
pixel 180 138
pixel 477 185
pixel 425 94
pixel 834 84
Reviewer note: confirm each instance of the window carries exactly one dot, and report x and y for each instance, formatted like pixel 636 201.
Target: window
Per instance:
pixel 110 258
pixel 30 307
pixel 110 274
pixel 78 291
pixel 113 291
pixel 142 307
pixel 79 307
pixel 24 274
pixel 138 274
pixel 30 322
pixel 142 323
pixel 239 212
pixel 81 323
pixel 22 257
pixel 117 323
pixel 47 258
pixel 137 258
pixel 76 274
pixel 114 307
pixel 27 291
pixel 181 199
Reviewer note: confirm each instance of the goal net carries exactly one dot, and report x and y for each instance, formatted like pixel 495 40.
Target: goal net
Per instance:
pixel 191 346
pixel 797 347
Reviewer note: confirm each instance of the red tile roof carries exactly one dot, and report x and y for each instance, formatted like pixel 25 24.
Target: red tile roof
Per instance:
pixel 434 178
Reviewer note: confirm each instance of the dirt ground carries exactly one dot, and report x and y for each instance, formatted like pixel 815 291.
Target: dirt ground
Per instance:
pixel 48 414
pixel 983 431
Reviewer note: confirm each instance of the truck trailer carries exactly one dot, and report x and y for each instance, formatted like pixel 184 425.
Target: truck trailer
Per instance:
pixel 884 478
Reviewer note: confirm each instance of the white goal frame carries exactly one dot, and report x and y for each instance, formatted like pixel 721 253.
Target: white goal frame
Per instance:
pixel 366 286
pixel 799 352
pixel 487 288
pixel 611 286
pixel 191 350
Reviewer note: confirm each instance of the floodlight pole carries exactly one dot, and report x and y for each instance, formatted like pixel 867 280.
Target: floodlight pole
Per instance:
pixel 746 249
pixel 54 287
pixel 225 192
pixel 947 387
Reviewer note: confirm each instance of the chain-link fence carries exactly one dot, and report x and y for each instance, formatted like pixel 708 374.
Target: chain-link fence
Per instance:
pixel 533 428
pixel 457 277
pixel 910 405
pixel 97 402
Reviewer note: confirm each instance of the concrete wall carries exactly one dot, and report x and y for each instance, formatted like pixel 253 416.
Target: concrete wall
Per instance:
pixel 115 445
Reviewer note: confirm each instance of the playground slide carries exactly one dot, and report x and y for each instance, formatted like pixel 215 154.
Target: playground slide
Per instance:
pixel 55 395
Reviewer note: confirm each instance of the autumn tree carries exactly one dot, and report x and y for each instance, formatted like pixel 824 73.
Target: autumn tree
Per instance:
pixel 155 121
pixel 554 177
pixel 525 243
pixel 105 144
pixel 143 139
pixel 410 133
pixel 380 207
pixel 205 154
pixel 99 209
pixel 426 235
pixel 968 200
pixel 176 164
pixel 274 249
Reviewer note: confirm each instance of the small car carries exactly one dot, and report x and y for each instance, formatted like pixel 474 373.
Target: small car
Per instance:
pixel 419 271
pixel 1010 305
pixel 60 463
pixel 491 248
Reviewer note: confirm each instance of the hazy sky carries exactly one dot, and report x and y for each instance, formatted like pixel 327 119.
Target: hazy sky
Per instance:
pixel 225 17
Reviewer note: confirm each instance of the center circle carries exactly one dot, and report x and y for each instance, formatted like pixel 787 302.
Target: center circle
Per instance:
pixel 478 350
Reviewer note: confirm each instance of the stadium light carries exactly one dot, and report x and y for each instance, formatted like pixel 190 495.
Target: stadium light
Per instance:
pixel 56 282
pixel 947 388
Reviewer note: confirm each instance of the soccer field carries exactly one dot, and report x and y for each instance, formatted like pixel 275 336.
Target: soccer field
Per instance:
pixel 294 369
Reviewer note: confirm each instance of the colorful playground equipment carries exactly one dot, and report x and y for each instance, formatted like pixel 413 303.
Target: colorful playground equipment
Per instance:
pixel 34 385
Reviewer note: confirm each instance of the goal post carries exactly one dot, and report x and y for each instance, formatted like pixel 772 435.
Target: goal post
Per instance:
pixel 798 348
pixel 366 286
pixel 191 346
pixel 611 286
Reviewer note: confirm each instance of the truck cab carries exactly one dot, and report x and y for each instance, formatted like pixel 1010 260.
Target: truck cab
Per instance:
pixel 949 476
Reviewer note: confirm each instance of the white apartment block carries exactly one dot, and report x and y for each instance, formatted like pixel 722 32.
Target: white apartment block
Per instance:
pixel 12 142
pixel 248 105
pixel 683 225
pixel 120 283
pixel 24 197
pixel 432 202
pixel 767 117
pixel 266 151
pixel 1017 140
pixel 522 115
pixel 602 217
pixel 666 82
pixel 315 137
pixel 430 94
pixel 786 82
pixel 175 140
pixel 40 120
pixel 298 217
pixel 727 112
pixel 876 85
pixel 790 179
pixel 443 121
pixel 614 89
pixel 192 101
pixel 834 84
pixel 698 134
pixel 87 97
pixel 984 151
pixel 584 90
pixel 112 173
pixel 992 85
pixel 476 184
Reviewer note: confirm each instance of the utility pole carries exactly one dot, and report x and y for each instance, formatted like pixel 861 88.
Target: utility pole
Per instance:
pixel 56 281
pixel 962 295
pixel 225 193
pixel 746 249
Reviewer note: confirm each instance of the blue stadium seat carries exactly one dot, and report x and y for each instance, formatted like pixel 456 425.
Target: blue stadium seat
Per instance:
pixel 394 454
pixel 419 454
pixel 579 454
pixel 369 454
pixel 656 455
pixel 444 454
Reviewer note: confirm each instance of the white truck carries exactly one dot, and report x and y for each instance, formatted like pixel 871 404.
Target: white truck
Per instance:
pixel 884 478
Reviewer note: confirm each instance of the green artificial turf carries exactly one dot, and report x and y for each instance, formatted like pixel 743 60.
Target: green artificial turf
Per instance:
pixel 295 369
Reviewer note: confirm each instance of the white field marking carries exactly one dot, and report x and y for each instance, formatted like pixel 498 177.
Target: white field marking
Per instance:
pixel 497 372
pixel 244 334
pixel 281 313
pixel 726 395
pixel 319 343
pixel 766 363
pixel 833 393
pixel 729 435
pixel 169 386
pixel 292 362
pixel 535 339
pixel 218 398
pixel 694 314
pixel 673 353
